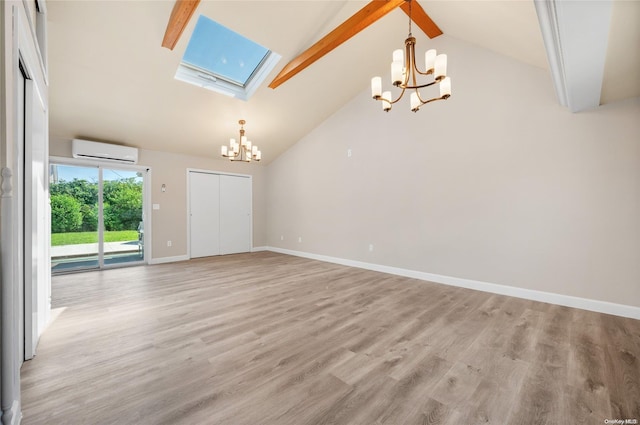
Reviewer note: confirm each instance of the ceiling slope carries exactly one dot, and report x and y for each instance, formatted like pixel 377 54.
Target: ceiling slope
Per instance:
pixel 111 80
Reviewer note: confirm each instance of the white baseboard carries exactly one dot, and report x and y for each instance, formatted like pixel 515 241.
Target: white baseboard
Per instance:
pixel 512 291
pixel 162 260
pixel 177 258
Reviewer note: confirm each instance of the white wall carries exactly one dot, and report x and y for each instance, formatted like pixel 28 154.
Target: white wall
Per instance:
pixel 498 184
pixel 170 222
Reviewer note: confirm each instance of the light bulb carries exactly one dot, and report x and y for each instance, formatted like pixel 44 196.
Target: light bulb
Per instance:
pixel 376 87
pixel 445 88
pixel 415 101
pixel 430 60
pixel 396 73
pixel 386 97
pixel 398 56
pixel 440 67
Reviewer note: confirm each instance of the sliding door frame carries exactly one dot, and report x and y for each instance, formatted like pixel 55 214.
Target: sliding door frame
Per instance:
pixel 146 204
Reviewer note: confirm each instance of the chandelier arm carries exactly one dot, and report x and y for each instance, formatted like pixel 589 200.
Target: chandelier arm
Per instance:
pixel 422 73
pixel 421 86
pixel 392 101
pixel 414 80
pixel 424 102
pixel 405 77
pixel 399 96
pixel 409 56
pixel 415 66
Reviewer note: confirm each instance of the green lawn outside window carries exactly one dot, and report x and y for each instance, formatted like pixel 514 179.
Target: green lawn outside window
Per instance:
pixel 74 238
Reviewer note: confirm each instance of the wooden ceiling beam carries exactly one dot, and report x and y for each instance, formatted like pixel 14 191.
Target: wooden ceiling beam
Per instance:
pixel 180 16
pixel 420 17
pixel 359 21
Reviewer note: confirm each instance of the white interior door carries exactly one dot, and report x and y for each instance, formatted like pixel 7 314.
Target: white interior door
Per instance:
pixel 204 210
pixel 235 214
pixel 36 277
pixel 24 316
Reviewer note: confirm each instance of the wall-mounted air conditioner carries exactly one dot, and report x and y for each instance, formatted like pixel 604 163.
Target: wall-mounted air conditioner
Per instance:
pixel 86 149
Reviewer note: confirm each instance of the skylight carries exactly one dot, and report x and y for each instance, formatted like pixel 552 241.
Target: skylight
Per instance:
pixel 224 61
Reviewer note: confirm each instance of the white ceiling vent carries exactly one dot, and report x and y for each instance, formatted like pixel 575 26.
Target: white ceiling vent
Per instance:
pixel 103 151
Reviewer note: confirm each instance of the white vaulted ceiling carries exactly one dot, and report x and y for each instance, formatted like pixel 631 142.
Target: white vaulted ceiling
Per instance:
pixel 111 80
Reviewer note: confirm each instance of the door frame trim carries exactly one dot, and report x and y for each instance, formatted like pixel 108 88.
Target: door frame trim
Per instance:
pixel 17 40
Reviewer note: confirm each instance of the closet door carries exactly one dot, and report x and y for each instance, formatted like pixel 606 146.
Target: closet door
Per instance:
pixel 204 207
pixel 235 214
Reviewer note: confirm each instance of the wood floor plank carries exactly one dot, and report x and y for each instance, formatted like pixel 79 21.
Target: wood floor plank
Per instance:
pixel 541 398
pixel 586 373
pixel 490 404
pixel 411 389
pixel 622 367
pixel 272 339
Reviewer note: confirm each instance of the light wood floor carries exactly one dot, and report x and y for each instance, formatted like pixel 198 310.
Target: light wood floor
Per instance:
pixel 270 339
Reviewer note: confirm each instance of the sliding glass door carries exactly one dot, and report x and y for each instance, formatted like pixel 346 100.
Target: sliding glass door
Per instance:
pixel 74 217
pixel 97 217
pixel 123 234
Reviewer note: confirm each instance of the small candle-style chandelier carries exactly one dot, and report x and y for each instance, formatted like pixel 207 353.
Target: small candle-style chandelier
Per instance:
pixel 404 71
pixel 244 151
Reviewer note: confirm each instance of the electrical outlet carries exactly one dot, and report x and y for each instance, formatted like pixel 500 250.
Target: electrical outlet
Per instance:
pixel 348 153
pixel 168 243
pixel 300 239
pixel 281 237
pixel 370 247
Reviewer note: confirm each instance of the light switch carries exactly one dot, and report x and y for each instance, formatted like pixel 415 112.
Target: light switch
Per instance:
pixel 156 206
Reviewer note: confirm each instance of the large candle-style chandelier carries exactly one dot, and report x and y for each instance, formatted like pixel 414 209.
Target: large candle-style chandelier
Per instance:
pixel 404 74
pixel 244 151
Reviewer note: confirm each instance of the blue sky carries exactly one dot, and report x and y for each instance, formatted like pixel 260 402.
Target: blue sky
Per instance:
pixel 223 52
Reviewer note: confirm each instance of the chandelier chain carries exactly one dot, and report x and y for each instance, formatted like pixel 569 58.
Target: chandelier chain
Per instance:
pixel 409 18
